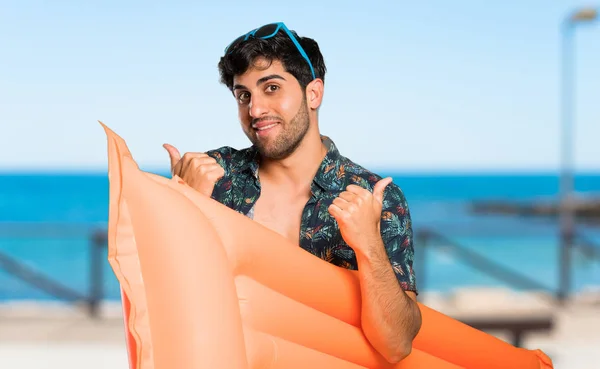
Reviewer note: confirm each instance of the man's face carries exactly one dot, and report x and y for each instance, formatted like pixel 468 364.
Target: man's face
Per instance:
pixel 272 109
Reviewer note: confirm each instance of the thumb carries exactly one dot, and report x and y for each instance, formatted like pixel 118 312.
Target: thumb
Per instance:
pixel 174 154
pixel 380 187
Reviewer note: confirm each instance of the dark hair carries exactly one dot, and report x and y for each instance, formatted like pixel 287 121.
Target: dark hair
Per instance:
pixel 279 47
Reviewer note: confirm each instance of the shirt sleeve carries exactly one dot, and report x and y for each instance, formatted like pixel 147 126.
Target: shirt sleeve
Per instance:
pixel 223 157
pixel 397 235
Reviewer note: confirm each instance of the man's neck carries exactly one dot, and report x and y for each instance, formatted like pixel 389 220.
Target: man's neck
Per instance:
pixel 298 170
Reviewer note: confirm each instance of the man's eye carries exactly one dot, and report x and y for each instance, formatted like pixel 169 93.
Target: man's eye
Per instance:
pixel 272 88
pixel 243 97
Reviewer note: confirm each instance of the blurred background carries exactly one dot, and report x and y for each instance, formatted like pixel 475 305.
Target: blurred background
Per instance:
pixel 485 113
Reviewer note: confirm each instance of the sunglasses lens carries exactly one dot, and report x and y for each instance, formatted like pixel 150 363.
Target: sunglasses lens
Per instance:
pixel 268 30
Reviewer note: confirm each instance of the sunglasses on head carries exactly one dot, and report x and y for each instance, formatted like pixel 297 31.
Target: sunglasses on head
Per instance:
pixel 268 31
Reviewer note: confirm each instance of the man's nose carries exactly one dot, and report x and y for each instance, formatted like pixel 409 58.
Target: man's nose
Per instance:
pixel 258 107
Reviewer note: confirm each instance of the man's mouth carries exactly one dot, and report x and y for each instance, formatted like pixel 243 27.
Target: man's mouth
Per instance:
pixel 265 127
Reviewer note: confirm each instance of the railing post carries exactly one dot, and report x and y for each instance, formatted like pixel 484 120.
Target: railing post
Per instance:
pixel 566 245
pixel 96 294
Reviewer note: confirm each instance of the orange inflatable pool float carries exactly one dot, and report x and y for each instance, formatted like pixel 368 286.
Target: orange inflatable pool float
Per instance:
pixel 206 287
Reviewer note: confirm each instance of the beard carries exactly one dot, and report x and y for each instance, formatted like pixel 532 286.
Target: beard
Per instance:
pixel 288 139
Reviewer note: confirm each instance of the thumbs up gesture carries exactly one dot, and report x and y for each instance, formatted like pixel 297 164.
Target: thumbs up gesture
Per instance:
pixel 196 169
pixel 358 213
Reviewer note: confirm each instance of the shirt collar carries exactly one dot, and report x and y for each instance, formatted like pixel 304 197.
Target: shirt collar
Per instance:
pixel 329 177
pixel 247 162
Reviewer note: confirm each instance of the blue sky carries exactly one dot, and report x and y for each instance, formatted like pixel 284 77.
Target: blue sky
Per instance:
pixel 437 85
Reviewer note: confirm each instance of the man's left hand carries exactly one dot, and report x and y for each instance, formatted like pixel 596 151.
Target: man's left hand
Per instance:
pixel 358 213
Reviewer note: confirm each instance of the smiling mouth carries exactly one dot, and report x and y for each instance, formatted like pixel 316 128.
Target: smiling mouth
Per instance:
pixel 265 131
pixel 264 128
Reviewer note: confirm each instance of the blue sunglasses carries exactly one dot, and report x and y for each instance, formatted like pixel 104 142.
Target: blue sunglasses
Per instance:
pixel 268 31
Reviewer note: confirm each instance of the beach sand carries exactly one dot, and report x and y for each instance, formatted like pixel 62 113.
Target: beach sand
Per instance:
pixel 53 336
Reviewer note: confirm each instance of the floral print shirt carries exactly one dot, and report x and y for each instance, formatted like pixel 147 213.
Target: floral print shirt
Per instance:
pixel 239 189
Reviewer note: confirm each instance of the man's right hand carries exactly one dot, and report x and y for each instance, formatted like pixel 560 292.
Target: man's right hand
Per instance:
pixel 198 170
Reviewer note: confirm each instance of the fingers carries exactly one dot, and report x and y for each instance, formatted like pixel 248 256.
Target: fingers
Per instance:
pixel 196 169
pixel 196 160
pixel 378 190
pixel 336 212
pixel 346 202
pixel 174 155
pixel 358 191
pixel 211 171
pixel 199 169
pixel 349 196
pixel 353 199
pixel 196 156
pixel 380 187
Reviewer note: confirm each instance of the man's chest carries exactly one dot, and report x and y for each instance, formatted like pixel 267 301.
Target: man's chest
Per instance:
pixel 281 214
pixel 307 223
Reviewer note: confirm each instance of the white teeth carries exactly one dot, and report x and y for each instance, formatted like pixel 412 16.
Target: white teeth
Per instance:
pixel 266 127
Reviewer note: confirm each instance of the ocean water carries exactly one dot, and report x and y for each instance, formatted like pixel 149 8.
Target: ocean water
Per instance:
pixel 46 221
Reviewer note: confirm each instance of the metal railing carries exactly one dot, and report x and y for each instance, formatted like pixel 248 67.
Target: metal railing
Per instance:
pixel 424 239
pixel 427 238
pixel 39 280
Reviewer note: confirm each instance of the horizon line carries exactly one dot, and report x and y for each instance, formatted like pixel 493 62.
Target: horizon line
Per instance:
pixel 382 171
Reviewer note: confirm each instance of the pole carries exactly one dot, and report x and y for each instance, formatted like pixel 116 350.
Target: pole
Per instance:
pixel 567 218
pixel 566 214
pixel 422 238
pixel 96 294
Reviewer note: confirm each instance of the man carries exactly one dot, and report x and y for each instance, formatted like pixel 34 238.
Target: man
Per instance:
pixel 294 181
